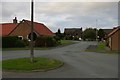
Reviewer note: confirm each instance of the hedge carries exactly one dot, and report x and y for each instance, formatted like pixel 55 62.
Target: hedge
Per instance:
pixel 45 41
pixel 12 41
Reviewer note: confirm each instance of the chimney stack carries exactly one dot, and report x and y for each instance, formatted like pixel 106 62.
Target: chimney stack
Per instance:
pixel 15 20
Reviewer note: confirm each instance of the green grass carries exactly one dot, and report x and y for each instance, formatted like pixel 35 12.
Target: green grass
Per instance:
pixel 66 42
pixel 101 48
pixel 0 65
pixel 24 64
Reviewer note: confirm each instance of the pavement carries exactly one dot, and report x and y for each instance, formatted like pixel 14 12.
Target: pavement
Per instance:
pixel 77 63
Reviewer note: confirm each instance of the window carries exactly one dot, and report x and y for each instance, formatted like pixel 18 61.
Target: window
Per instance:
pixel 20 37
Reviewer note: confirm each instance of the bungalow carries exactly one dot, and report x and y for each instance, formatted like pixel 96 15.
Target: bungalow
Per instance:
pixel 114 39
pixel 73 32
pixel 107 31
pixel 23 29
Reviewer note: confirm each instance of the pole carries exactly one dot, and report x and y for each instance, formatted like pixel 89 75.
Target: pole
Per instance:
pixel 32 48
pixel 96 29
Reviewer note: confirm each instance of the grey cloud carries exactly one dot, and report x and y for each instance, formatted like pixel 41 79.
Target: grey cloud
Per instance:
pixel 64 14
pixel 12 9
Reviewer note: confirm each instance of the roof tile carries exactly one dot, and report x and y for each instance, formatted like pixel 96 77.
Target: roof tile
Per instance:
pixel 7 28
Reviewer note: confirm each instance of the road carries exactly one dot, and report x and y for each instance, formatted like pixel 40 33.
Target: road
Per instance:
pixel 78 63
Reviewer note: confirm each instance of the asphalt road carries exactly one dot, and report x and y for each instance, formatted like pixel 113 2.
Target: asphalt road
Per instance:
pixel 78 63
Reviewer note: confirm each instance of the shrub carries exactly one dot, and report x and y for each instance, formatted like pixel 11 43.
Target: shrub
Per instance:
pixel 57 38
pixel 67 37
pixel 50 41
pixel 76 38
pixel 12 41
pixel 44 41
pixel 26 42
pixel 20 43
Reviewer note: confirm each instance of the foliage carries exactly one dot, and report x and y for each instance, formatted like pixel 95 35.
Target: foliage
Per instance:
pixel 67 37
pixel 44 41
pixel 26 42
pixel 12 41
pixel 101 34
pixel 107 42
pixel 76 38
pixel 24 64
pixel 89 34
pixel 101 46
pixel 59 35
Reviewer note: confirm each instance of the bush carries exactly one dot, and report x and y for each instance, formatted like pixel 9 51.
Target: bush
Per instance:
pixel 12 41
pixel 57 38
pixel 67 37
pixel 89 34
pixel 76 38
pixel 44 41
pixel 26 42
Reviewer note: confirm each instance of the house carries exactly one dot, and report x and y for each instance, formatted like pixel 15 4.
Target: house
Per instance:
pixel 73 32
pixel 23 29
pixel 114 39
pixel 107 31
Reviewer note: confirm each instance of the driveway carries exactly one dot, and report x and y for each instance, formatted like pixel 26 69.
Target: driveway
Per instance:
pixel 78 63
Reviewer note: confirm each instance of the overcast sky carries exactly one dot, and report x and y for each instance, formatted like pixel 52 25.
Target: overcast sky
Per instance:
pixel 64 14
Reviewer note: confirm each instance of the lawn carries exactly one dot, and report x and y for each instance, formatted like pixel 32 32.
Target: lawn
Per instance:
pixel 101 48
pixel 24 64
pixel 66 42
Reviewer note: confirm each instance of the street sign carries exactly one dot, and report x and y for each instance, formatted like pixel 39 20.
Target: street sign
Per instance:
pixel 34 36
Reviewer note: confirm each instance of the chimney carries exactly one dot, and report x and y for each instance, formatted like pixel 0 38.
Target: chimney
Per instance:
pixel 15 20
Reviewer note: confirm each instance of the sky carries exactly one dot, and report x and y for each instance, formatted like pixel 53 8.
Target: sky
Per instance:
pixel 64 14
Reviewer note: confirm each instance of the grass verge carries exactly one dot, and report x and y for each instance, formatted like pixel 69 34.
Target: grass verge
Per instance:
pixel 24 64
pixel 101 48
pixel 66 42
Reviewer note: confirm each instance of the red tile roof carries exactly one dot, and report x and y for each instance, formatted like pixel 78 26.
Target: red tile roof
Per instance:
pixel 7 28
pixel 41 28
pixel 114 30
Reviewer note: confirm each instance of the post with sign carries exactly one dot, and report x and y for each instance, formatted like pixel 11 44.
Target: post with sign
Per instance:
pixel 32 48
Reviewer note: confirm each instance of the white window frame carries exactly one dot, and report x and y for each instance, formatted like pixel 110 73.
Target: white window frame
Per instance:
pixel 28 38
pixel 21 37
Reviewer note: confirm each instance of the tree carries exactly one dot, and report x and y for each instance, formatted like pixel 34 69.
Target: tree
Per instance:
pixel 101 34
pixel 89 34
pixel 59 35
pixel 59 32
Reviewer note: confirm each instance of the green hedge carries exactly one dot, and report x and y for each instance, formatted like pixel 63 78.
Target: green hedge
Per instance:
pixel 12 41
pixel 44 41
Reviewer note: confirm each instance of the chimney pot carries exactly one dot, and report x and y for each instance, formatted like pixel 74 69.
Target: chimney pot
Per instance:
pixel 15 20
